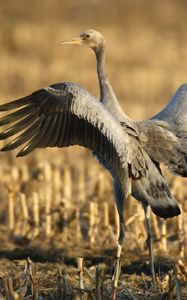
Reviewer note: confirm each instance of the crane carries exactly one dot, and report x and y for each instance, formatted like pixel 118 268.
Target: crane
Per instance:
pixel 65 114
pixel 158 137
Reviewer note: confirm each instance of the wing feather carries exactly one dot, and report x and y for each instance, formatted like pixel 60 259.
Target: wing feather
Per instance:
pixel 37 140
pixel 63 115
pixel 56 132
pixel 169 145
pixel 50 131
pixel 15 115
pixel 15 104
pixel 175 112
pixel 18 126
pixel 24 137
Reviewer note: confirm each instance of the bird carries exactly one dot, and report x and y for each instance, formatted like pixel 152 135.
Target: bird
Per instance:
pixel 65 114
pixel 159 137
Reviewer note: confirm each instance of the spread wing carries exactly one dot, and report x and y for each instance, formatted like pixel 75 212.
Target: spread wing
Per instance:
pixel 164 146
pixel 174 115
pixel 61 115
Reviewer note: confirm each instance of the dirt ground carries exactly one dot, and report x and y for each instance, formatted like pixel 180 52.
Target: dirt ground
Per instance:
pixel 56 274
pixel 47 267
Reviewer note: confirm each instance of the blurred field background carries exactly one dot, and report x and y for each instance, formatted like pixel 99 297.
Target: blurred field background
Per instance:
pixel 57 205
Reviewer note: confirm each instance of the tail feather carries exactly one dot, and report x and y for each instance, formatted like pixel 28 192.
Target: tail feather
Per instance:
pixel 153 190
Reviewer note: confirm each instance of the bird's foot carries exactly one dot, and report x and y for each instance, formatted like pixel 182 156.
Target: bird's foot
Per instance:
pixel 154 285
pixel 113 296
pixel 117 271
pixel 151 261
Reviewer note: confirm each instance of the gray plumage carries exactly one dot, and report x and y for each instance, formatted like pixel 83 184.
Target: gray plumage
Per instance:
pixel 62 115
pixel 65 114
pixel 175 115
pixel 151 142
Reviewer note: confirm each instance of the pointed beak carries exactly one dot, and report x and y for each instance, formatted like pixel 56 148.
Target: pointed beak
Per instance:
pixel 74 41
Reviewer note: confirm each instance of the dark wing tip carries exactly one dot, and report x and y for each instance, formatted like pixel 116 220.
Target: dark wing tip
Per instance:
pixel 21 154
pixel 16 103
pixel 7 147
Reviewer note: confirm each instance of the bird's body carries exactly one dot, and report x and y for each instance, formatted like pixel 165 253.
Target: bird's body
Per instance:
pixel 153 136
pixel 65 114
pixel 152 142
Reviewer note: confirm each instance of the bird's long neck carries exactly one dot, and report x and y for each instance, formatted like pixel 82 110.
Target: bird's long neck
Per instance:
pixel 101 72
pixel 107 95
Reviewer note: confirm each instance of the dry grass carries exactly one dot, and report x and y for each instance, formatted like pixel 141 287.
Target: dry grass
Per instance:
pixel 57 205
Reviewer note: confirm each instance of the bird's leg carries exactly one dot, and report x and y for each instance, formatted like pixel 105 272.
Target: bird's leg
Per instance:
pixel 149 242
pixel 117 269
pixel 119 194
pixel 118 256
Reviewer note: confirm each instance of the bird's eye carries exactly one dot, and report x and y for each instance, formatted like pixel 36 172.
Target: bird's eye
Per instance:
pixel 87 35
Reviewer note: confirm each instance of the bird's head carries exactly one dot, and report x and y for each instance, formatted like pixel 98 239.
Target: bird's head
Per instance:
pixel 89 38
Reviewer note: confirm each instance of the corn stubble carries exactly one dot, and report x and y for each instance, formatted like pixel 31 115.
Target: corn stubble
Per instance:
pixel 81 219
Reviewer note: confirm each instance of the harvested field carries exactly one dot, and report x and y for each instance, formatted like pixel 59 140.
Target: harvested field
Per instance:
pixel 58 221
